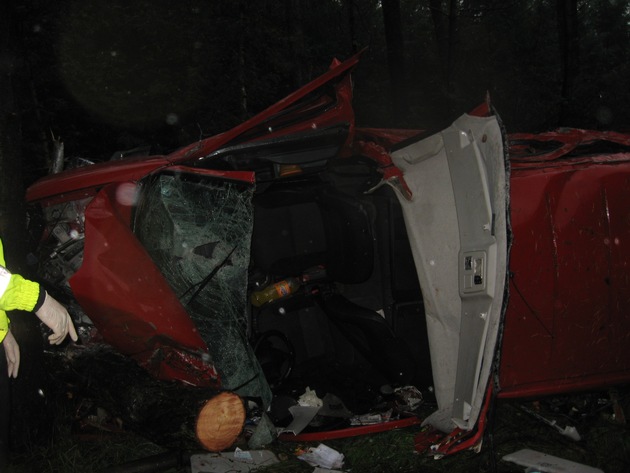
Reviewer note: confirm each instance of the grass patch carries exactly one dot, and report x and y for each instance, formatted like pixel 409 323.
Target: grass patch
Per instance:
pixel 605 444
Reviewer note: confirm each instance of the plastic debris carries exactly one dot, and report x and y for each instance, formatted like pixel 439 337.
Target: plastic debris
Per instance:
pixel 372 418
pixel 303 413
pixel 310 398
pixel 334 407
pixel 302 416
pixel 261 434
pixel 568 431
pixel 323 456
pixel 541 462
pixel 408 397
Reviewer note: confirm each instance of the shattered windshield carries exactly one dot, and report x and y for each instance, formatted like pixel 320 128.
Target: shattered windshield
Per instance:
pixel 198 232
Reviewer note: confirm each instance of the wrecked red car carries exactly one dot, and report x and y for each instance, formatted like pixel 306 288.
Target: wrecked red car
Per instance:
pixel 298 250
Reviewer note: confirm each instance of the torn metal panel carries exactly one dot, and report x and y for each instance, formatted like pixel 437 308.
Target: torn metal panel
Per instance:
pixel 457 223
pixel 132 305
pixel 323 102
pixel 62 185
pixel 555 148
pixel 168 285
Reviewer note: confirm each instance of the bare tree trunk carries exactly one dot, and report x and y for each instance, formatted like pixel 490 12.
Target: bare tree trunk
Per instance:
pixel 294 21
pixel 444 16
pixel 568 40
pixel 44 145
pixel 58 155
pixel 27 410
pixel 395 54
pixel 241 63
pixel 349 4
pixel 12 229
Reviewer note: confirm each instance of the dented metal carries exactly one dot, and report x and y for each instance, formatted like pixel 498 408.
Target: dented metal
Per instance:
pixel 153 254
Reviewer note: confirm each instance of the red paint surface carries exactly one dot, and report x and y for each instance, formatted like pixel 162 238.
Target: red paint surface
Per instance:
pixel 243 176
pixel 567 325
pixel 72 181
pixel 131 303
pixel 457 440
pixel 292 114
pixel 118 285
pixel 351 431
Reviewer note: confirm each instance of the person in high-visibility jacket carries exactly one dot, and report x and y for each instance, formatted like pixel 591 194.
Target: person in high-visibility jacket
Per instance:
pixel 18 293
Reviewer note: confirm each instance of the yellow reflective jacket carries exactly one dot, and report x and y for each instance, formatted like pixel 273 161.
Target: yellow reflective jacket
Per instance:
pixel 16 293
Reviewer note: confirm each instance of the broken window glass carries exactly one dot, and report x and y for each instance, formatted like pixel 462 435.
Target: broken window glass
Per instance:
pixel 198 232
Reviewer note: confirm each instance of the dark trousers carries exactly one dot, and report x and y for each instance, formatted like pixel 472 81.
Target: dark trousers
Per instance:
pixel 5 411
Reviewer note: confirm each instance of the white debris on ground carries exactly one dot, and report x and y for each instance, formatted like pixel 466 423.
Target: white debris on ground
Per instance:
pixel 323 456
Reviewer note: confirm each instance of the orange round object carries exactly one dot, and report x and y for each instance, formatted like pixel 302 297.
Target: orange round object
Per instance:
pixel 220 421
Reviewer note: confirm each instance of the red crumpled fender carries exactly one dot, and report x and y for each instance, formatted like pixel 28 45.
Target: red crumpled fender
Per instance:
pixel 131 304
pixel 440 445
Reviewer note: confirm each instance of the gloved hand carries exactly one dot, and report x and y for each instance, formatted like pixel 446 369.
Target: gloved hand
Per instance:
pixel 56 317
pixel 12 350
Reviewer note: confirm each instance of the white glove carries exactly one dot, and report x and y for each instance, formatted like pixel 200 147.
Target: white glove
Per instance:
pixel 12 350
pixel 56 317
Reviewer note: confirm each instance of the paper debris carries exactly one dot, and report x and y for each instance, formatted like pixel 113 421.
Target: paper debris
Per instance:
pixel 323 456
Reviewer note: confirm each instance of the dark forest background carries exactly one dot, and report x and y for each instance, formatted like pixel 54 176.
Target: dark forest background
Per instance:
pixel 103 76
pixel 108 75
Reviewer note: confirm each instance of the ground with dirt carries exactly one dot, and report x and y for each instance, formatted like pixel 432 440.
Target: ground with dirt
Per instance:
pixel 605 442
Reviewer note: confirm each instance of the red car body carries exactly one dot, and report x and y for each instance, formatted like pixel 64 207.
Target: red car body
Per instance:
pixel 565 326
pixel 567 323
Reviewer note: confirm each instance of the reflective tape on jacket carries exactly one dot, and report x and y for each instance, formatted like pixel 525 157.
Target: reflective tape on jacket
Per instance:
pixel 5 279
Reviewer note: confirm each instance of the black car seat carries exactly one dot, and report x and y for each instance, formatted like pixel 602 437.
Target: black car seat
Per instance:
pixel 295 229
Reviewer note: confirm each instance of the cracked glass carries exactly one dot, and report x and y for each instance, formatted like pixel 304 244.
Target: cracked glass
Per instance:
pixel 198 232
